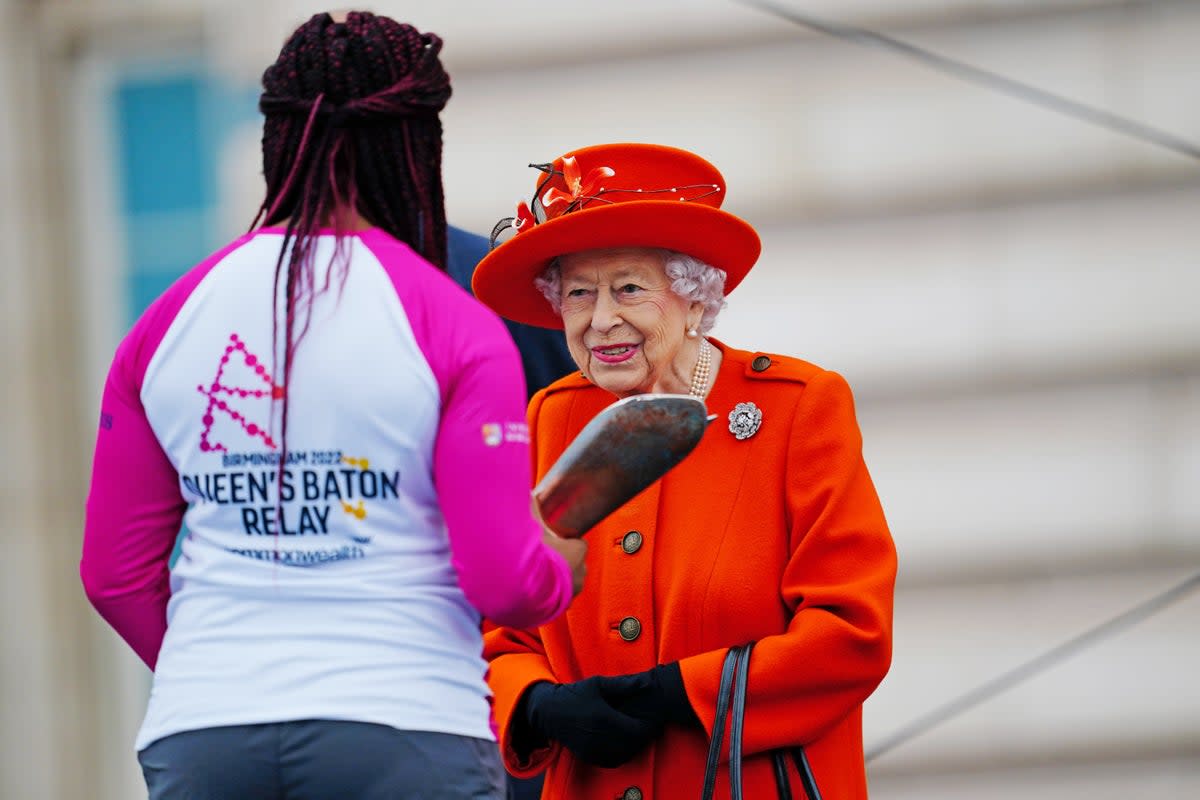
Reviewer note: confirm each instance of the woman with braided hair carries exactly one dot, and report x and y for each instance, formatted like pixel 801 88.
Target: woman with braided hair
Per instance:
pixel 339 428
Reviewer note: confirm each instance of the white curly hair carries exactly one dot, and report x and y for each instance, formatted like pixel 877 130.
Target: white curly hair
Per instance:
pixel 691 279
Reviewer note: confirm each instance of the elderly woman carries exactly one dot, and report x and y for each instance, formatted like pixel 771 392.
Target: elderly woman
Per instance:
pixel 770 531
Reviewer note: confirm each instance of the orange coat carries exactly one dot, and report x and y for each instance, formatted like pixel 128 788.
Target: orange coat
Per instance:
pixel 778 538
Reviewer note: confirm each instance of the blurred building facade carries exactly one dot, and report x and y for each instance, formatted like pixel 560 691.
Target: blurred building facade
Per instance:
pixel 1011 293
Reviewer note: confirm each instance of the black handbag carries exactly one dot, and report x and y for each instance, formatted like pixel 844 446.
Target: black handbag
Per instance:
pixel 732 694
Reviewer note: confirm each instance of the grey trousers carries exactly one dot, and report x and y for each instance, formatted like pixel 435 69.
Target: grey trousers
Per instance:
pixel 321 760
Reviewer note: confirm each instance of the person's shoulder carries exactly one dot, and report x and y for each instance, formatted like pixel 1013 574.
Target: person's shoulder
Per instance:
pixel 147 332
pixel 464 250
pixel 566 385
pixel 432 297
pixel 408 268
pixel 788 378
pixel 759 365
pixel 566 392
pixel 466 243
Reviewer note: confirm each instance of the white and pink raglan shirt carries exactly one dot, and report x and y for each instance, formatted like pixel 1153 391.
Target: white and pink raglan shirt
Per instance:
pixel 348 581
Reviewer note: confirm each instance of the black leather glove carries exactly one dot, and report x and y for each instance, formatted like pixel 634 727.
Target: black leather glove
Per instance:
pixel 656 695
pixel 581 717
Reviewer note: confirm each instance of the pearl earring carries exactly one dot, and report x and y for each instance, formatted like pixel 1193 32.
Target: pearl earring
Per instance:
pixel 692 333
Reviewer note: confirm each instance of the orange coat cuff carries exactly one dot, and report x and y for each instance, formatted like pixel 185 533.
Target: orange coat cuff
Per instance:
pixel 509 676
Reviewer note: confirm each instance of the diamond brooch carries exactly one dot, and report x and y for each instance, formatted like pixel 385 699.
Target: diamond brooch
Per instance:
pixel 745 420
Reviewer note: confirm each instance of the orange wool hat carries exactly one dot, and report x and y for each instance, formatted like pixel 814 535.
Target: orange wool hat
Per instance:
pixel 612 195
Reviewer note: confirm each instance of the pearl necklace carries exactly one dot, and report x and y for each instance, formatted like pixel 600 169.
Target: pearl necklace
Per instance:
pixel 702 370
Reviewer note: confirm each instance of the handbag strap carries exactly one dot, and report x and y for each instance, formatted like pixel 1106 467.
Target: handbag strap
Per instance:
pixel 807 779
pixel 731 693
pixel 740 678
pixel 718 734
pixel 782 785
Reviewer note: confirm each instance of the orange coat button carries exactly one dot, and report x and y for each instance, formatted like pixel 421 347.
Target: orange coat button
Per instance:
pixel 632 793
pixel 630 628
pixel 760 364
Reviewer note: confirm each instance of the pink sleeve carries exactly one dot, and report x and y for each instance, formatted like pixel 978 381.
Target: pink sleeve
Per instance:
pixel 481 457
pixel 483 487
pixel 134 512
pixel 134 507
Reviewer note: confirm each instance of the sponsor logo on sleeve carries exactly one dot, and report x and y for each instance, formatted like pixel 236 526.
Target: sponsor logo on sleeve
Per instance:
pixel 492 433
pixel 496 434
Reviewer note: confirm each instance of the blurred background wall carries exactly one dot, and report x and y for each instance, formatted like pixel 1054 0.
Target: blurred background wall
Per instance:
pixel 1012 294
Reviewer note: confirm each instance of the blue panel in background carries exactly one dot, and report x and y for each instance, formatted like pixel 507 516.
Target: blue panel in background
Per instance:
pixel 169 243
pixel 170 130
pixel 165 169
pixel 144 288
pixel 162 145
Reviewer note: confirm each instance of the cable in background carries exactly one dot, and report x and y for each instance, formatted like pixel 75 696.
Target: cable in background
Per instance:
pixel 983 77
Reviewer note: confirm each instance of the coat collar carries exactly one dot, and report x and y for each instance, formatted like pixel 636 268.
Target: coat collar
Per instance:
pixel 754 365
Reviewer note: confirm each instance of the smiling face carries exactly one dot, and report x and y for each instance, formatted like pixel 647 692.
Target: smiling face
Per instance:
pixel 625 327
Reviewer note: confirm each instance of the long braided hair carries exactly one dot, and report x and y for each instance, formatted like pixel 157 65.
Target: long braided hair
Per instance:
pixel 351 126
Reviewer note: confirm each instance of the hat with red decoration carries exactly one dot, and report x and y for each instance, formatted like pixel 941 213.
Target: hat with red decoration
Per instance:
pixel 612 195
